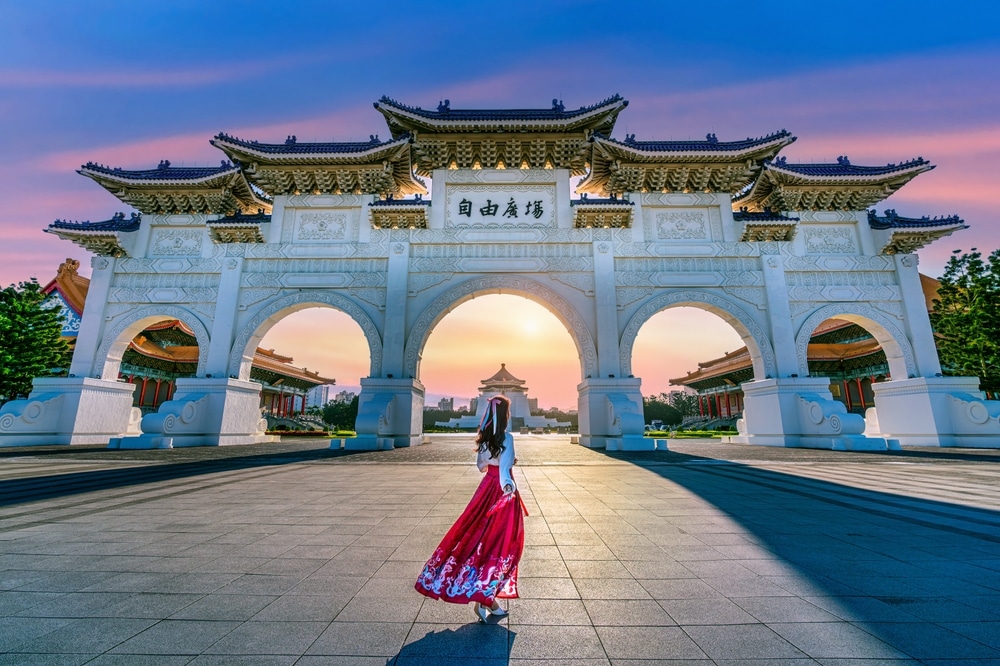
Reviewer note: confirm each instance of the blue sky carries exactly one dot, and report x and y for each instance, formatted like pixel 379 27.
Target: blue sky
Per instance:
pixel 131 83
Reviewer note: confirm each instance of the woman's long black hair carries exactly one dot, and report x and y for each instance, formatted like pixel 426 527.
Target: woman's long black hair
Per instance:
pixel 493 429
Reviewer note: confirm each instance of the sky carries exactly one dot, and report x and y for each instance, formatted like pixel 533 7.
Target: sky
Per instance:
pixel 130 83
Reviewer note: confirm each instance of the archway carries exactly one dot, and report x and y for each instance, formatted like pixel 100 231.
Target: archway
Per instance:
pixel 253 332
pixel 854 346
pixel 529 289
pixel 502 335
pixel 122 335
pixel 308 359
pixel 692 364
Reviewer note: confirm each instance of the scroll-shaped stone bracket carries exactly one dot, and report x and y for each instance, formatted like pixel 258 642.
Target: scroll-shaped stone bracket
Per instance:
pixel 390 414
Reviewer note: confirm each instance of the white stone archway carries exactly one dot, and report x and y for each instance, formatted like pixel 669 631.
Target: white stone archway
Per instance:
pixel 251 333
pixel 749 330
pixel 501 284
pixel 116 341
pixel 895 345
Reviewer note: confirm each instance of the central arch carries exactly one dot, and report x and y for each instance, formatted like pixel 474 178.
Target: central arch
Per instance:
pixel 498 284
pixel 752 334
pixel 241 356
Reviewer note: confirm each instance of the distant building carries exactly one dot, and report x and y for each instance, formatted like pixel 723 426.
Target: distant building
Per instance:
pixel 532 405
pixel 344 396
pixel 446 404
pixel 472 405
pixel 319 395
pixel 504 383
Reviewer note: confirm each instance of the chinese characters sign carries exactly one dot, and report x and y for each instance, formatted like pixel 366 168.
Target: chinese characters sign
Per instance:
pixel 501 206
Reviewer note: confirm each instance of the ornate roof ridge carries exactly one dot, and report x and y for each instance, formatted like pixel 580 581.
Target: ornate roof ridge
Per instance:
pixel 891 220
pixel 711 142
pixel 444 109
pixel 612 200
pixel 117 223
pixel 766 215
pixel 843 167
pixel 417 200
pixel 240 216
pixel 292 145
pixel 163 171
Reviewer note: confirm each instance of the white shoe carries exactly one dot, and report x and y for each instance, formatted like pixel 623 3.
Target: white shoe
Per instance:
pixel 480 612
pixel 498 612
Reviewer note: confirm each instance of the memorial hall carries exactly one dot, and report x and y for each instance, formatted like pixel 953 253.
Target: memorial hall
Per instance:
pixel 441 205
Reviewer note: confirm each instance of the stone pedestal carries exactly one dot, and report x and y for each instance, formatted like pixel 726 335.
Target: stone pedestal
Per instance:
pixel 935 411
pixel 800 412
pixel 69 410
pixel 390 414
pixel 610 412
pixel 204 412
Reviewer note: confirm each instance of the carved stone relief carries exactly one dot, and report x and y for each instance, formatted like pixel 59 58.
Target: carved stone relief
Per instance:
pixel 180 242
pixel 830 240
pixel 682 225
pixel 320 227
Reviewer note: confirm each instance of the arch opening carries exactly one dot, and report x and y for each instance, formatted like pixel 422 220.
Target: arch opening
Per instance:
pixel 854 347
pixel 307 358
pixel 508 344
pixel 692 363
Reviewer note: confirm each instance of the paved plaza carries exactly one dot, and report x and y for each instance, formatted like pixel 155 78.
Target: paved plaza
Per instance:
pixel 295 554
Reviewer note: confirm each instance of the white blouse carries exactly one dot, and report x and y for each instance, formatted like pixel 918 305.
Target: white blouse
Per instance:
pixel 505 462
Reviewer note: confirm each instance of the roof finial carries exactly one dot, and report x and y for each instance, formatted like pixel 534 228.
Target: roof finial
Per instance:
pixel 557 105
pixel 445 106
pixel 164 164
pixel 843 161
pixel 710 137
pixel 291 140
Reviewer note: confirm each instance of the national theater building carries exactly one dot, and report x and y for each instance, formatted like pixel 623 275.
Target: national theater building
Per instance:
pixel 551 203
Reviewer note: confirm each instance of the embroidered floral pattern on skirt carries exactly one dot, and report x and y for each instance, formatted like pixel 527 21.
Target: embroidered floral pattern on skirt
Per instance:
pixel 477 559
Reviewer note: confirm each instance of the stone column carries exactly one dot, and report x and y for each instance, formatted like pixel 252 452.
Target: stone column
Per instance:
pixel 916 321
pixel 224 323
pixel 779 317
pixel 92 324
pixel 391 407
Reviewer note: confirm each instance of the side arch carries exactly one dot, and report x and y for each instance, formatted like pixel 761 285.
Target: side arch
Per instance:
pixel 894 343
pixel 241 354
pixel 116 340
pixel 756 339
pixel 520 286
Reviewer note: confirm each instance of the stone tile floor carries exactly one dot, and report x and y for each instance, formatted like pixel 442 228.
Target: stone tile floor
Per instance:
pixel 295 554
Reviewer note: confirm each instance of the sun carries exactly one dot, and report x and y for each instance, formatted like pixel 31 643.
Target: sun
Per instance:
pixel 530 326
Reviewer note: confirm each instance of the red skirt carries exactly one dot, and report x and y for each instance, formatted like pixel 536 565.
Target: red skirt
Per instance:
pixel 477 559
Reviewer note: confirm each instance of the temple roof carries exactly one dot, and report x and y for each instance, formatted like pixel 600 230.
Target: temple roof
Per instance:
pixel 101 238
pixel 678 166
pixel 835 186
pixel 171 190
pixel 70 284
pixel 896 234
pixel 403 119
pixel 502 378
pixel 367 167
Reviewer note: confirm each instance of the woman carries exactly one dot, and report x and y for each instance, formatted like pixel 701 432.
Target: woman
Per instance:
pixel 477 559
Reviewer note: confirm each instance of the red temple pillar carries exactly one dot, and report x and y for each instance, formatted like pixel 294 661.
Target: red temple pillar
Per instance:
pixel 847 394
pixel 861 392
pixel 701 408
pixel 156 393
pixel 142 391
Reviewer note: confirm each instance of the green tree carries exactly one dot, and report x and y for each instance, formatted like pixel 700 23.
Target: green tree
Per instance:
pixel 684 402
pixel 966 317
pixel 658 408
pixel 31 342
pixel 341 415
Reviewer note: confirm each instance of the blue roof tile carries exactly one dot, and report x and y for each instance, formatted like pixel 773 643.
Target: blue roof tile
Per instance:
pixel 291 146
pixel 710 144
pixel 116 223
pixel 445 112
pixel 843 167
pixel 164 171
pixel 893 221
pixel 239 217
pixel 613 200
pixel 418 200
pixel 766 215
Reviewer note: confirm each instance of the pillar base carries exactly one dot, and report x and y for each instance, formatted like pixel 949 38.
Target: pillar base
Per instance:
pixel 69 410
pixel 799 412
pixel 205 412
pixel 611 418
pixel 935 411
pixel 390 415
